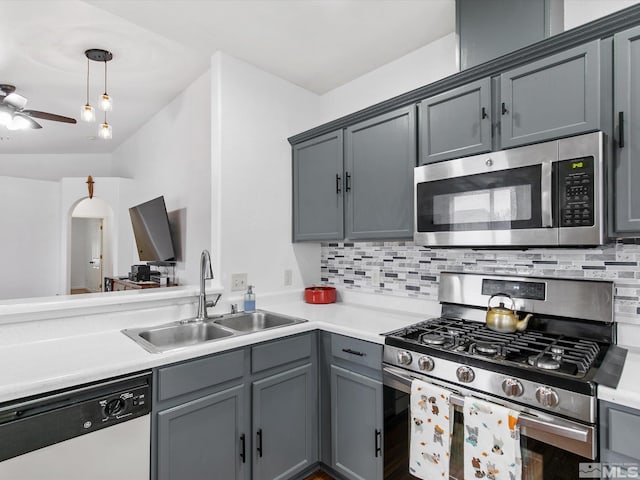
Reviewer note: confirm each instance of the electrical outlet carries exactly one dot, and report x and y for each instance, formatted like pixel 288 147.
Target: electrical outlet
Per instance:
pixel 238 282
pixel 375 277
pixel 288 278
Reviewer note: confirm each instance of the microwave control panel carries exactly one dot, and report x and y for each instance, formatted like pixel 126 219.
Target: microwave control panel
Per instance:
pixel 576 196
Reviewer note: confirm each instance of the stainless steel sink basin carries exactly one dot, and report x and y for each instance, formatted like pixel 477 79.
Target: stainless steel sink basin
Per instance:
pixel 176 335
pixel 171 336
pixel 256 321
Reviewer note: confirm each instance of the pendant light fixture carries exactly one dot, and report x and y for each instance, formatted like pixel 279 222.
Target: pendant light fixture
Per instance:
pixel 88 114
pixel 99 55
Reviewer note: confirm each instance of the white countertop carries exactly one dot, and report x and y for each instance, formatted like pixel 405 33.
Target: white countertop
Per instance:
pixel 41 356
pixel 628 391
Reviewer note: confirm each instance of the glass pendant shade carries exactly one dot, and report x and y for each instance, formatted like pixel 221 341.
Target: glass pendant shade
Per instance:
pixel 105 131
pixel 106 102
pixel 5 119
pixel 88 114
pixel 18 123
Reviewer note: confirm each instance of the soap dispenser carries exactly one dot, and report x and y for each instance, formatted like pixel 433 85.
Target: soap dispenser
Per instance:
pixel 250 300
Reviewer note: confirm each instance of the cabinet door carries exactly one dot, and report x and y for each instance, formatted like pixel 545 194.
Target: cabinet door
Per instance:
pixel 456 123
pixel 203 439
pixel 284 424
pixel 627 108
pixel 619 427
pixel 356 425
pixel 554 97
pixel 318 188
pixel 380 157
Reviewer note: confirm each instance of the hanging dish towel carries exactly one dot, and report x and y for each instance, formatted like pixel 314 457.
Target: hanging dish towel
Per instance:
pixel 431 427
pixel 491 441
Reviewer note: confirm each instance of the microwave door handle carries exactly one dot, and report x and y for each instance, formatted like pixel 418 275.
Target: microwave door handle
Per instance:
pixel 546 200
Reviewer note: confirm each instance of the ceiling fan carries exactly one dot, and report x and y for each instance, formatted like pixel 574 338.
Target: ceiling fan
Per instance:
pixel 14 116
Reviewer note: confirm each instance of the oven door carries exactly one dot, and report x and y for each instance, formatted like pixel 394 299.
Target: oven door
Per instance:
pixel 498 199
pixel 552 447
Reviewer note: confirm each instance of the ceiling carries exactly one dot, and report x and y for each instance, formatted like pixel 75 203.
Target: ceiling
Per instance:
pixel 160 46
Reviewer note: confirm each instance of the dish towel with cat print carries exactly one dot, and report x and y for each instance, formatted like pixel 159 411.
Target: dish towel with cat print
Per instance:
pixel 431 427
pixel 491 441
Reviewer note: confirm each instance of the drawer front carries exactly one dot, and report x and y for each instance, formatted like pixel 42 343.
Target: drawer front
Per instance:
pixel 280 352
pixel 195 375
pixel 357 351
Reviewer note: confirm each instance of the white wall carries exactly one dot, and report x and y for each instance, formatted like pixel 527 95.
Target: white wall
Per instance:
pixel 29 239
pixel 171 156
pixel 54 167
pixel 253 114
pixel 416 69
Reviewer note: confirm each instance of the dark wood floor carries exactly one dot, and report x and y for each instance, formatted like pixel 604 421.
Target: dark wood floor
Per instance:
pixel 319 475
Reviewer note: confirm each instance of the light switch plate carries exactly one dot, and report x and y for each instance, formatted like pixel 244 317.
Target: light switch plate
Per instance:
pixel 238 282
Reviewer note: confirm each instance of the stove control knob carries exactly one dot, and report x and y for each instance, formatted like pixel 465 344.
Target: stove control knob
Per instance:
pixel 547 397
pixel 404 358
pixel 465 374
pixel 425 363
pixel 512 387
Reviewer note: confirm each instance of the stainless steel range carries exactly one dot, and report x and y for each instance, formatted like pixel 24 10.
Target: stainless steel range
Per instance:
pixel 548 372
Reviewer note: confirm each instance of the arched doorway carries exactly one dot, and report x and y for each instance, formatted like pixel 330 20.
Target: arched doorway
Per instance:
pixel 90 240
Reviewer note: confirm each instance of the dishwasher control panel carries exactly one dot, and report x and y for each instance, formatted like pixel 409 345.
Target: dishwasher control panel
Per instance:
pixel 127 404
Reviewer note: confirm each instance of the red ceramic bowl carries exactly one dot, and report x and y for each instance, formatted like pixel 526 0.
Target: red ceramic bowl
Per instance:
pixel 320 295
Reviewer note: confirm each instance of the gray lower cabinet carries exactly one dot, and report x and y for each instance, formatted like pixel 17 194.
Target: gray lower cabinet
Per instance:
pixel 554 97
pixel 456 123
pixel 317 188
pixel 284 428
pixel 619 427
pixel 351 411
pixel 203 439
pixel 627 121
pixel 380 155
pixel 356 425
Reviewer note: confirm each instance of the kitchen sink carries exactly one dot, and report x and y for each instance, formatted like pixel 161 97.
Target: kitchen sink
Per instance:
pixel 176 335
pixel 171 336
pixel 255 321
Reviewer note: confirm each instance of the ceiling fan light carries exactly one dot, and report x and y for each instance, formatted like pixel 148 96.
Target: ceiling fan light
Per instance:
pixel 105 131
pixel 5 118
pixel 106 102
pixel 88 113
pixel 19 123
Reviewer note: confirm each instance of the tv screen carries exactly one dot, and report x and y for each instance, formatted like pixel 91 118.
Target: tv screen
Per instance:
pixel 151 231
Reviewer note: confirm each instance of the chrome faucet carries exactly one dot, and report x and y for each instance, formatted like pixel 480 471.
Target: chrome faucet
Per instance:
pixel 206 273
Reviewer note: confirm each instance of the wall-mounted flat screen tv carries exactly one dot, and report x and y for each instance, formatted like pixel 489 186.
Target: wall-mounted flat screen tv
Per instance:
pixel 151 231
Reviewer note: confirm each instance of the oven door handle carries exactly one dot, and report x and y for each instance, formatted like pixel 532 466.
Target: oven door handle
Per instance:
pixel 395 379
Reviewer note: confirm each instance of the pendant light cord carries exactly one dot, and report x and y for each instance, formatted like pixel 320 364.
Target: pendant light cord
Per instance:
pixel 87 80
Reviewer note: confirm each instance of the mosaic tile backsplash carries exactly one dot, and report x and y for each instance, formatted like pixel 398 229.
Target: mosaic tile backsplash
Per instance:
pixel 406 269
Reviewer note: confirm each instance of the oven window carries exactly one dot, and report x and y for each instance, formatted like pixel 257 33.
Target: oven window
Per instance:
pixel 508 199
pixel 540 461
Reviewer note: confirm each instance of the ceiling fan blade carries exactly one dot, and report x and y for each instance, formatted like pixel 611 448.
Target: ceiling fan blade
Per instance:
pixel 32 123
pixel 49 116
pixel 15 100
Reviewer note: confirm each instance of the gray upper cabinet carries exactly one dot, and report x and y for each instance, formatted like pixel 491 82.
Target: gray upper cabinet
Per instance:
pixel 284 424
pixel 356 425
pixel 627 146
pixel 379 161
pixel 204 439
pixel 488 29
pixel 317 188
pixel 551 98
pixel 456 123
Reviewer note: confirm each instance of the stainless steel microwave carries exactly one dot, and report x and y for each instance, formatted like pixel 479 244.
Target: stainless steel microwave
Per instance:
pixel 547 194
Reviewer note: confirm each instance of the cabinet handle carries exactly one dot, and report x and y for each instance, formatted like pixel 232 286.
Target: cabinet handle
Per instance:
pixel 620 129
pixel 259 447
pixel 484 112
pixel 243 455
pixel 348 186
pixel 354 352
pixel 378 437
pixel 338 184
pixel 504 108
